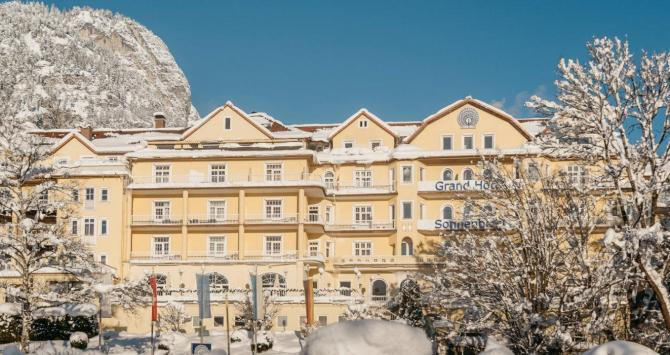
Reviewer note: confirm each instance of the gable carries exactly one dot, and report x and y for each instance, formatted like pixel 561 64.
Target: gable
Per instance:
pixel 373 130
pixel 212 127
pixel 72 148
pixel 507 132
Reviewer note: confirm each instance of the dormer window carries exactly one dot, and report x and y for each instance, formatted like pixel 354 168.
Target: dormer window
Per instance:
pixel 362 123
pixel 376 144
pixel 348 144
pixel 226 123
pixel 488 141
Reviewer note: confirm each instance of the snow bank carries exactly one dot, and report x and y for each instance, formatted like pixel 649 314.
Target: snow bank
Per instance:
pixel 620 347
pixel 370 337
pixel 10 309
pixel 12 350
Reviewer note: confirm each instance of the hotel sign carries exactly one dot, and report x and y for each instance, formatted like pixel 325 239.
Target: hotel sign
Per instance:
pixel 459 224
pixel 456 186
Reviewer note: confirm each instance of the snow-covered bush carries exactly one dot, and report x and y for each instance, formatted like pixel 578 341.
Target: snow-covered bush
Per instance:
pixel 57 324
pixel 620 347
pixel 79 340
pixel 173 316
pixel 369 337
pixel 239 335
pixel 264 341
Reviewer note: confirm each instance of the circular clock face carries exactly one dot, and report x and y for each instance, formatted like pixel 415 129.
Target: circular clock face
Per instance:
pixel 468 117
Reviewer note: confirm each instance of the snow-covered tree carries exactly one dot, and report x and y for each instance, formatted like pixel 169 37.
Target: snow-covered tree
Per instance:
pixel 535 275
pixel 407 303
pixel 613 114
pixel 245 311
pixel 173 316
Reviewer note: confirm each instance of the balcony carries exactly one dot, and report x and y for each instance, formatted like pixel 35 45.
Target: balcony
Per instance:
pixel 197 180
pixel 213 257
pixel 155 221
pixel 363 189
pixel 213 220
pixel 314 256
pixel 362 226
pixel 455 186
pixel 278 294
pixel 151 258
pixel 284 255
pixel 385 260
pixel 284 218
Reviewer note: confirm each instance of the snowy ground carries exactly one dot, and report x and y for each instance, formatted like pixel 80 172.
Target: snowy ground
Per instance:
pixel 130 344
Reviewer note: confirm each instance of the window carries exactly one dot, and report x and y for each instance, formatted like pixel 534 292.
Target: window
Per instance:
pixel 273 280
pixel 330 249
pixel 447 143
pixel 217 210
pixel 362 123
pixel 161 246
pixel 363 214
pixel 323 321
pixel 406 247
pixel 219 321
pixel 44 196
pixel 273 209
pixel 89 197
pixel 468 142
pixel 329 214
pixel 407 210
pixel 407 174
pixel 217 245
pixel 74 227
pixel 161 282
pixel 447 175
pixel 467 211
pixel 345 284
pixel 488 174
pixel 273 245
pixel 421 173
pixel 273 172
pixel 488 141
pixel 392 212
pixel 282 321
pixel 468 174
pixel 379 290
pixel 226 123
pixel 313 247
pixel 217 173
pixel 104 194
pixel 576 174
pixel 533 171
pixel 363 178
pixel 75 195
pixel 329 179
pixel 374 145
pixel 362 248
pixel 103 259
pixel 447 212
pixel 162 210
pixel 348 144
pixel 217 282
pixel 103 227
pixel 89 227
pixel 161 173
pixel 313 214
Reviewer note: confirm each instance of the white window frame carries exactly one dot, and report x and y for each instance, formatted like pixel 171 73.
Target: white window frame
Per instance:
pixel 227 121
pixel 272 214
pixel 329 214
pixel 450 136
pixel 89 203
pixel 463 141
pixel 104 191
pixel 169 174
pixel 218 175
pixel 310 213
pixel 272 176
pixel 402 174
pixel 411 209
pixel 344 144
pixel 355 246
pixel 169 208
pixel 329 184
pixel 224 242
pixel 155 241
pixel 272 249
pixel 362 221
pixel 363 123
pixel 106 222
pixel 92 220
pixel 216 216
pixel 361 176
pixel 317 247
pixel 493 140
pixel 74 222
pixel 375 141
pixel 100 256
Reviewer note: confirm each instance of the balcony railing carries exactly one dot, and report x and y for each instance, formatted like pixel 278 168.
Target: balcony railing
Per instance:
pixel 385 259
pixel 154 220
pixel 208 219
pixel 288 255
pixel 150 256
pixel 314 255
pixel 363 226
pixel 278 294
pixel 379 298
pixel 362 189
pixel 284 218
pixel 228 180
pixel 208 255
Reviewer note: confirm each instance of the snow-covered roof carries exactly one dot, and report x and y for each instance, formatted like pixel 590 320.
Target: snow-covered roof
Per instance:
pixel 232 106
pixel 534 126
pixel 362 112
pixel 215 153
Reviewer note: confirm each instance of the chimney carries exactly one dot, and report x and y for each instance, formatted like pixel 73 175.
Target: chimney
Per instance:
pixel 86 132
pixel 159 120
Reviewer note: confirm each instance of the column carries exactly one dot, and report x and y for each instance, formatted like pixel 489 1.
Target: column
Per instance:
pixel 240 226
pixel 184 221
pixel 301 238
pixel 126 238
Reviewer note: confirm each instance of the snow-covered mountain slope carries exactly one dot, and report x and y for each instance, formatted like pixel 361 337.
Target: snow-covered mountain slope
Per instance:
pixel 86 67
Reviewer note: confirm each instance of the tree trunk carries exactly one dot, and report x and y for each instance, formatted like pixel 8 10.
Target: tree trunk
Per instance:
pixel 656 283
pixel 26 318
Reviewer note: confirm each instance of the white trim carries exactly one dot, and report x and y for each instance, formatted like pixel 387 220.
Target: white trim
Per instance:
pixel 83 225
pixel 209 171
pixel 463 141
pixel 402 174
pixel 368 115
pixel 107 227
pixel 265 170
pixel 493 140
pixel 225 208
pixel 281 206
pixel 153 245
pixel 161 164
pixel 281 244
pixel 353 246
pixel 402 209
pixel 153 208
pixel 372 179
pixel 225 244
pixel 442 142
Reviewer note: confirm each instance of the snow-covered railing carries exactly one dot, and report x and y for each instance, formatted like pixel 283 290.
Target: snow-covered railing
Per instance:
pixel 284 218
pixel 208 255
pixel 314 255
pixel 289 255
pixel 207 219
pixel 361 189
pixel 276 294
pixel 367 225
pixel 152 220
pixel 205 180
pixel 379 298
pixel 314 219
pixel 154 257
pixel 385 259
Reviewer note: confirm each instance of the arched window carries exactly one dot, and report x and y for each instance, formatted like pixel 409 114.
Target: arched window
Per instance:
pixel 273 280
pixel 406 247
pixel 329 179
pixel 468 174
pixel 217 282
pixel 447 175
pixel 487 174
pixel 467 211
pixel 447 212
pixel 161 283
pixel 488 209
pixel 379 289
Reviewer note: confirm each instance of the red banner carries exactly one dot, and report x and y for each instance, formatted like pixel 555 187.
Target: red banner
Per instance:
pixel 154 299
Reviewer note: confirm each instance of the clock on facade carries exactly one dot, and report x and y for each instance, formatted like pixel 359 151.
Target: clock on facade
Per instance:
pixel 468 117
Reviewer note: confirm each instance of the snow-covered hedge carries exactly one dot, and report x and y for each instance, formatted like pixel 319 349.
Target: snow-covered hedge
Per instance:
pixel 50 324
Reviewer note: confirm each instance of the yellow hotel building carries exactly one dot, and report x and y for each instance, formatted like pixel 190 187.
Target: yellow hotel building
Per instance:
pixel 352 206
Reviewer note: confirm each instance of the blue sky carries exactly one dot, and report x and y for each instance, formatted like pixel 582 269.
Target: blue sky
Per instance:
pixel 320 61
